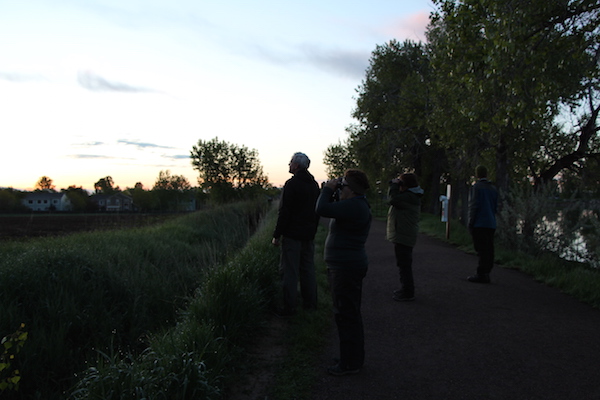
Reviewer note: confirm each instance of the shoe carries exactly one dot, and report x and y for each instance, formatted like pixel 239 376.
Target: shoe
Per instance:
pixel 400 295
pixel 339 371
pixel 479 278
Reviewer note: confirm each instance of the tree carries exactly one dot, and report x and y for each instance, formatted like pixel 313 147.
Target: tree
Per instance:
pixel 502 69
pixel 338 158
pixel 391 109
pixel 79 198
pixel 45 183
pixel 226 170
pixel 106 186
pixel 166 181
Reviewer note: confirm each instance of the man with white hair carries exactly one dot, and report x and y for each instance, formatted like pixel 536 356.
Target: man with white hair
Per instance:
pixel 295 231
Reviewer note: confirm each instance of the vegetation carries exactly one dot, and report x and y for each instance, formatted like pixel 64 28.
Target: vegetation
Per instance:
pixel 111 293
pixel 509 84
pixel 228 171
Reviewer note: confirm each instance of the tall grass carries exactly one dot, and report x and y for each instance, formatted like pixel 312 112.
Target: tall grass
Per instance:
pixel 204 352
pixel 106 292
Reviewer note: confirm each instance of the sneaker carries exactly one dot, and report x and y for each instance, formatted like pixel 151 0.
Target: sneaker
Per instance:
pixel 339 371
pixel 400 295
pixel 479 278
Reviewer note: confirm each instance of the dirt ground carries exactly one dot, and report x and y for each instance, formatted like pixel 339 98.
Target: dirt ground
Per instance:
pixel 513 339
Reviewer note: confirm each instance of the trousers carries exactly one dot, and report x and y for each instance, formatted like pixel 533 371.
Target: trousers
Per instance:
pixel 298 265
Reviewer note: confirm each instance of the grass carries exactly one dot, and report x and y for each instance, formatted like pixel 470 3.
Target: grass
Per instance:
pixel 96 296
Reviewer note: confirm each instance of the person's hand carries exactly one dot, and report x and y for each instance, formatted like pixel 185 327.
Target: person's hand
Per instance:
pixel 332 184
pixel 275 242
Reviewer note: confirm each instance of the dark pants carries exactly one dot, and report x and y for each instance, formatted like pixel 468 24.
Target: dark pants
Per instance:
pixel 297 264
pixel 346 290
pixel 483 242
pixel 404 260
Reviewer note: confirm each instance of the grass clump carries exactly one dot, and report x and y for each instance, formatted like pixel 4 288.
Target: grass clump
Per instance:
pixel 105 293
pixel 205 350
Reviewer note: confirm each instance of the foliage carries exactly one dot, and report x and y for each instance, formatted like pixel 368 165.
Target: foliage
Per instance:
pixel 227 171
pixel 45 183
pixel 391 109
pixel 11 345
pixel 166 181
pixel 94 292
pixel 204 351
pixel 338 158
pixel 502 70
pixel 106 186
pixel 10 200
pixel 79 198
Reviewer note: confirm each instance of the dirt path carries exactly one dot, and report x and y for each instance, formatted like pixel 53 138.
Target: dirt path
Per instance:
pixel 512 339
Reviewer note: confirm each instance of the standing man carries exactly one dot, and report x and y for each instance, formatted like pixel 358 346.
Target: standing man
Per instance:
pixel 483 204
pixel 404 197
pixel 295 232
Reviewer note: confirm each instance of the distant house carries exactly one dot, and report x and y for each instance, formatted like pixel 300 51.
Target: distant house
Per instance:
pixel 47 201
pixel 113 202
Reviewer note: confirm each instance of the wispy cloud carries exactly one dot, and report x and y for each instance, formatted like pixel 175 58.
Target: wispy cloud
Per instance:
pixel 91 81
pixel 142 145
pixel 90 156
pixel 177 157
pixel 19 77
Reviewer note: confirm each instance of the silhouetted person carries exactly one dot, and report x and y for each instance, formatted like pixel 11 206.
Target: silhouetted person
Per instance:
pixel 347 262
pixel 404 198
pixel 295 230
pixel 483 205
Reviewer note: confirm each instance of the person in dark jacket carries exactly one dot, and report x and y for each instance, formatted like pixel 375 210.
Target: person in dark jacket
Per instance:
pixel 483 205
pixel 404 198
pixel 295 231
pixel 347 262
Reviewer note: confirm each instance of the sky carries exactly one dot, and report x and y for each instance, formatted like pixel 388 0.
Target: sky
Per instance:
pixel 126 88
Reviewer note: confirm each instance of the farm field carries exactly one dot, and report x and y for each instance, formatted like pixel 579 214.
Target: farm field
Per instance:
pixel 24 226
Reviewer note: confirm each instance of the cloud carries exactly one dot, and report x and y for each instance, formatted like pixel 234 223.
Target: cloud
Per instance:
pixel 177 157
pixel 96 83
pixel 90 156
pixel 19 77
pixel 141 145
pixel 347 63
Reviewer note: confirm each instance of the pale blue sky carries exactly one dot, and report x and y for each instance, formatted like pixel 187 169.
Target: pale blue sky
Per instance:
pixel 118 88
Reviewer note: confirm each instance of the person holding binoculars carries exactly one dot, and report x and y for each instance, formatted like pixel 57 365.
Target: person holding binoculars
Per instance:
pixel 404 198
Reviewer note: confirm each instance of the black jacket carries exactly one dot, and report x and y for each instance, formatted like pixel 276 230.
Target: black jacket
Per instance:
pixel 297 218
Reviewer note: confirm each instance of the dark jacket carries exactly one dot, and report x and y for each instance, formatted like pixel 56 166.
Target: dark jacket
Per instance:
pixel 403 215
pixel 297 218
pixel 348 230
pixel 483 204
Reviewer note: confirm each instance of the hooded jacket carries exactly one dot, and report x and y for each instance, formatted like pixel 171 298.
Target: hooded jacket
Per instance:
pixel 403 215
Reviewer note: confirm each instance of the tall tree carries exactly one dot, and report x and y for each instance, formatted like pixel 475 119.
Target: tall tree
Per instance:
pixel 502 68
pixel 166 181
pixel 106 186
pixel 224 168
pixel 45 183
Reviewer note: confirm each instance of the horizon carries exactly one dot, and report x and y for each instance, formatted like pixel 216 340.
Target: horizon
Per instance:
pixel 126 89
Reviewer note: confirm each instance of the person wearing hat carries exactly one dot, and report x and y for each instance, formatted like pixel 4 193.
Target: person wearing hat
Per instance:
pixel 347 262
pixel 404 196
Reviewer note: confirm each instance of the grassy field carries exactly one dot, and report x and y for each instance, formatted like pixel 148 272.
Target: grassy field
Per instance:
pixel 93 301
